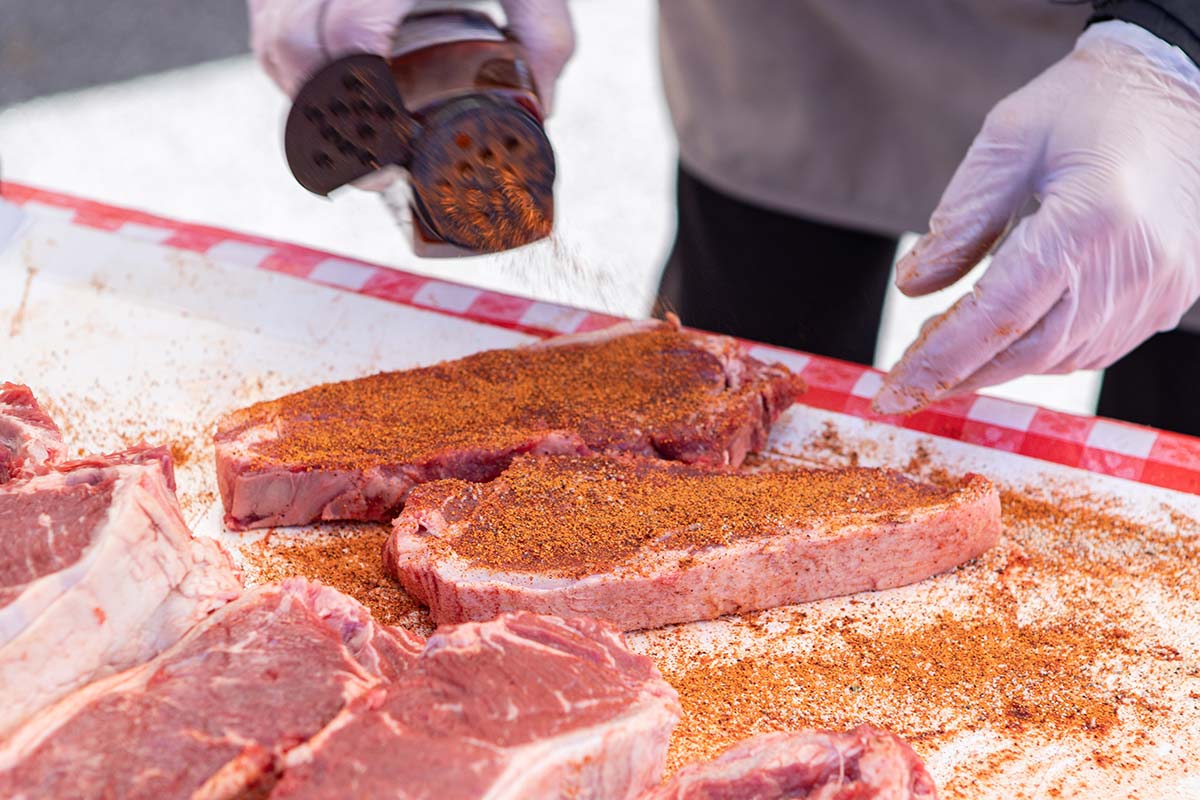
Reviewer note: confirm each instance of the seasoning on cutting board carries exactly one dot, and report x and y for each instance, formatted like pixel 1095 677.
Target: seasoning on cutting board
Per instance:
pixel 346 557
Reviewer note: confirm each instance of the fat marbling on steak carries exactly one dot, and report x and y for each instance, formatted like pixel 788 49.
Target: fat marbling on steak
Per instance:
pixel 355 449
pixel 643 543
pixel 515 708
pixel 29 440
pixel 98 572
pixel 212 716
pixel 863 764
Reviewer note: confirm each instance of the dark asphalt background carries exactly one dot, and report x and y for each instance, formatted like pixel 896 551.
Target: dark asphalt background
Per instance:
pixel 49 46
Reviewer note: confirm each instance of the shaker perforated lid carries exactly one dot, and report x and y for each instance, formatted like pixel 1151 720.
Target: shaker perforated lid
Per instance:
pixel 483 174
pixel 346 122
pixel 481 167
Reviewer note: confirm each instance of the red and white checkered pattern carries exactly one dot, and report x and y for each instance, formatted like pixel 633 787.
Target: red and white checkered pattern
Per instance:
pixel 1099 445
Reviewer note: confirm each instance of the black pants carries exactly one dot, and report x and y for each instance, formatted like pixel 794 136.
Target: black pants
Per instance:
pixel 747 271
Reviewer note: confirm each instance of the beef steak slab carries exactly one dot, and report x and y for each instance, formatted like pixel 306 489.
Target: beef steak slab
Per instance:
pixel 213 715
pixel 355 449
pixel 821 765
pixel 518 707
pixel 98 572
pixel 643 543
pixel 29 440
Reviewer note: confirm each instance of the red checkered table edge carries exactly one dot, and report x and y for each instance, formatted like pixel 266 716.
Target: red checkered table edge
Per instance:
pixel 1134 452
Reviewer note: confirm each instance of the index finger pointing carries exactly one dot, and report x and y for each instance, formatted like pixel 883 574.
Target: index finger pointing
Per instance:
pixel 1019 287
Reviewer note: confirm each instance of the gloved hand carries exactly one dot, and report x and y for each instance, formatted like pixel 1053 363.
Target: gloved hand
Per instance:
pixel 293 38
pixel 1107 141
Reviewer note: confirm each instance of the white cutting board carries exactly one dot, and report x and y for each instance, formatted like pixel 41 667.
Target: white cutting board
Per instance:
pixel 128 339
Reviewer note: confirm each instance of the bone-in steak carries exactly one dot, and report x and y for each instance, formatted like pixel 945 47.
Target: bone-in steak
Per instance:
pixel 864 763
pixel 213 715
pixel 643 543
pixel 98 572
pixel 519 707
pixel 29 439
pixel 354 450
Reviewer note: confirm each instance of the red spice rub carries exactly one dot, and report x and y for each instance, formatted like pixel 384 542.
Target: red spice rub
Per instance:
pixel 574 516
pixel 647 388
pixel 921 682
pixel 345 557
pixel 642 543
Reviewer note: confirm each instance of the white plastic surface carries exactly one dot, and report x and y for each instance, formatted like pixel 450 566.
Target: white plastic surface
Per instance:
pixel 126 339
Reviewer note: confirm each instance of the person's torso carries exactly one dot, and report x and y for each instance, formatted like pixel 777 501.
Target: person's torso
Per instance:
pixel 849 111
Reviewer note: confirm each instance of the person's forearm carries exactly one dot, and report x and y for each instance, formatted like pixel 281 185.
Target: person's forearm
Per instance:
pixel 1174 21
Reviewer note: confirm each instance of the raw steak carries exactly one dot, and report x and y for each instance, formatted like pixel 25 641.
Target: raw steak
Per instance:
pixel 818 765
pixel 98 572
pixel 519 707
pixel 29 439
pixel 212 716
pixel 643 543
pixel 354 450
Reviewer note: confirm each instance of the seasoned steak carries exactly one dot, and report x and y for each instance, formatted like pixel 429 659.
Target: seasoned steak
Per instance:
pixel 519 707
pixel 643 543
pixel 355 449
pixel 864 763
pixel 213 716
pixel 98 572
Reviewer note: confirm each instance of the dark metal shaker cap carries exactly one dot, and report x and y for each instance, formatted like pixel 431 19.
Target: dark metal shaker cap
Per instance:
pixel 346 122
pixel 483 174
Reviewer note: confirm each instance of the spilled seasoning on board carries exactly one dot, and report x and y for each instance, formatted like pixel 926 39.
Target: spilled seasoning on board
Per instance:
pixel 1053 639
pixel 923 683
pixel 182 452
pixel 346 557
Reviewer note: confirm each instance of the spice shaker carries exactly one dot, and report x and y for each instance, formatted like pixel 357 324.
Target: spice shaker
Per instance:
pixel 455 110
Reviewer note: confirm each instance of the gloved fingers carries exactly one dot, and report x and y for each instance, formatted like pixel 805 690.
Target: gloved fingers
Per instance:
pixel 989 188
pixel 1102 361
pixel 1038 352
pixel 544 29
pixel 1074 362
pixel 1097 353
pixel 294 39
pixel 1122 306
pixel 277 31
pixel 353 26
pixel 1020 287
pixel 1107 359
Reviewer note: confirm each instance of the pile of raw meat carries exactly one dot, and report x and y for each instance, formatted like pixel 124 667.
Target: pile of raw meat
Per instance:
pixel 133 665
pixel 98 571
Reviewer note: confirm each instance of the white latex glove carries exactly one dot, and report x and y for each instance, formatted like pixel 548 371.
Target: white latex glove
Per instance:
pixel 293 38
pixel 1107 141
